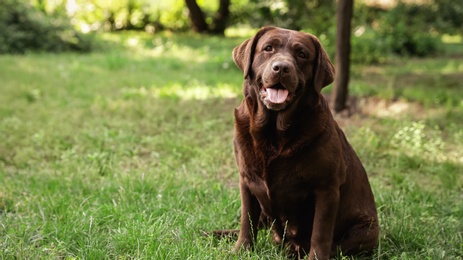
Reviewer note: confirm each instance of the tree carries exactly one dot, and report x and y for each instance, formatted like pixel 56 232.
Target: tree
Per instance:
pixel 342 58
pixel 198 20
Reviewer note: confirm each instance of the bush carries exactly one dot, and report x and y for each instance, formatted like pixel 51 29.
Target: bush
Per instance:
pixel 24 28
pixel 408 30
pixel 368 46
pixel 449 16
pixel 316 16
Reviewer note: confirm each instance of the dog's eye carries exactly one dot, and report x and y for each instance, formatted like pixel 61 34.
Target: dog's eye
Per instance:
pixel 301 55
pixel 268 48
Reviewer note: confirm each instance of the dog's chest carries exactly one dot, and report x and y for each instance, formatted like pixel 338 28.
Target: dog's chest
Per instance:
pixel 281 186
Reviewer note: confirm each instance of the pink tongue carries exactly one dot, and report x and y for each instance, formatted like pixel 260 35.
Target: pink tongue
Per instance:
pixel 277 95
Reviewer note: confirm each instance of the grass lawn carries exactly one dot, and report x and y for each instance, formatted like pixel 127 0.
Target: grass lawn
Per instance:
pixel 127 153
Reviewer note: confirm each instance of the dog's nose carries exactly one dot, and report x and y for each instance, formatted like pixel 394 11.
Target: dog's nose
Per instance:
pixel 280 67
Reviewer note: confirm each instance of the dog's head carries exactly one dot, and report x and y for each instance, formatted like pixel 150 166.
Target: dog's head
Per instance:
pixel 283 64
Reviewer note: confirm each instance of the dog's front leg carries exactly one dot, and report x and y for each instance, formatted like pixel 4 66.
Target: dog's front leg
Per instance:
pixel 326 208
pixel 250 213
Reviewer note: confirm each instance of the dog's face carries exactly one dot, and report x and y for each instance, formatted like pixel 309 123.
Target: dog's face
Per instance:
pixel 281 64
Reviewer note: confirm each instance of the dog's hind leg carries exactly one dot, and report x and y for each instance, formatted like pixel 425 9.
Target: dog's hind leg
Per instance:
pixel 361 238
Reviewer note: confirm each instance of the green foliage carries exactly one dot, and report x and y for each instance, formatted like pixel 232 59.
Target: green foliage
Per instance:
pixel 152 16
pixel 377 33
pixel 131 15
pixel 24 28
pixel 367 46
pixel 172 15
pixel 408 30
pixel 318 16
pixel 404 29
pixel 449 16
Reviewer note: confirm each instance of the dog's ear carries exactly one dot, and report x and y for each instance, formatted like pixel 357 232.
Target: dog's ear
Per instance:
pixel 324 69
pixel 243 54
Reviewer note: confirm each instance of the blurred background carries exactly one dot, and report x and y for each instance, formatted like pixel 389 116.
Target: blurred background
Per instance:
pixel 116 123
pixel 408 27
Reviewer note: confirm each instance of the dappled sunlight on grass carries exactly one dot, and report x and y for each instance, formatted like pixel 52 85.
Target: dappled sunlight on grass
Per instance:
pixel 455 66
pixel 194 90
pixel 430 82
pixel 242 32
pixel 165 48
pixel 408 139
pixel 418 66
pixel 420 140
pixel 173 50
pixel 186 48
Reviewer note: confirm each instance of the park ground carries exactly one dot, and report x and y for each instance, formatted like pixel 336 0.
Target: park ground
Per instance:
pixel 127 153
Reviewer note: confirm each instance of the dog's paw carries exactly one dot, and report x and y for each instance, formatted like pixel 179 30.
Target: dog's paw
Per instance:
pixel 243 244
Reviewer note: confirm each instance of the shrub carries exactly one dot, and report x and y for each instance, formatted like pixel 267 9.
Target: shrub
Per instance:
pixel 408 30
pixel 317 16
pixel 449 16
pixel 368 46
pixel 24 28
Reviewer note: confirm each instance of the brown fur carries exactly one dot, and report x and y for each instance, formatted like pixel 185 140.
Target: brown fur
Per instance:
pixel 297 169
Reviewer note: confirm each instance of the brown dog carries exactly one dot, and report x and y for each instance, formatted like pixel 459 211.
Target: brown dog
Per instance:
pixel 297 169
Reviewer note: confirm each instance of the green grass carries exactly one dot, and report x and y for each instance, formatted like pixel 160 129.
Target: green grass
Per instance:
pixel 127 153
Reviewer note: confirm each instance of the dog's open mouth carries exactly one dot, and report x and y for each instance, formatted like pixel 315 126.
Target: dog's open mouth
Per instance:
pixel 276 94
pixel 275 97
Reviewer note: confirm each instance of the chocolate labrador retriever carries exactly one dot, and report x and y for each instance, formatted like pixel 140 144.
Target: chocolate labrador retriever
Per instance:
pixel 297 169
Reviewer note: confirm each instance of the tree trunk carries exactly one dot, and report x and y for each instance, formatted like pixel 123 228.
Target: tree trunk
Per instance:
pixel 196 16
pixel 343 33
pixel 221 16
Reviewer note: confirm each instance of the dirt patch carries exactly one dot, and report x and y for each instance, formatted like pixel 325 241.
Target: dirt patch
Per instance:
pixel 360 109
